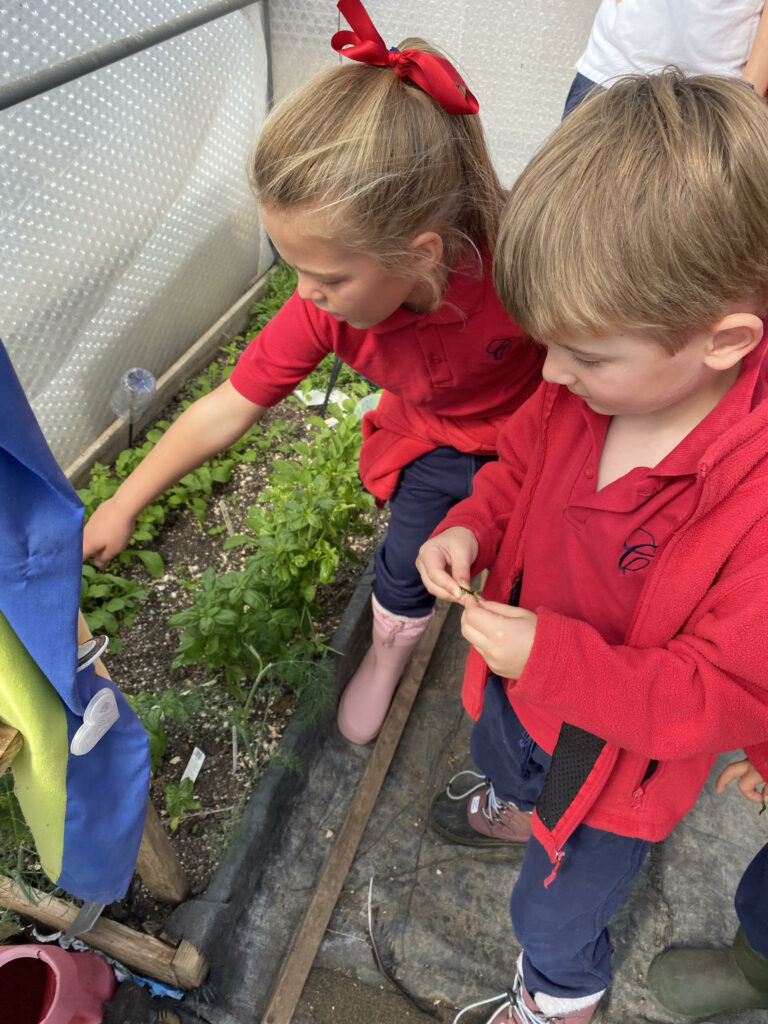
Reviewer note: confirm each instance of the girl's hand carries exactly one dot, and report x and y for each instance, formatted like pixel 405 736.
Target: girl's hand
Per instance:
pixel 503 635
pixel 750 781
pixel 107 532
pixel 445 562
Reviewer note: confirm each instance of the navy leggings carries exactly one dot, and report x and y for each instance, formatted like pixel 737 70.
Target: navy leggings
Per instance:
pixel 562 929
pixel 428 487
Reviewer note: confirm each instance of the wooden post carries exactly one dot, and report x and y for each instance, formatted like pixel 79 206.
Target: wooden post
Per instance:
pixel 157 863
pixel 294 974
pixel 10 744
pixel 182 967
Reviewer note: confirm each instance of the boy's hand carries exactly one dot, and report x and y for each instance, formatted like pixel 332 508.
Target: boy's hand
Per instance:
pixel 445 562
pixel 107 532
pixel 750 781
pixel 502 634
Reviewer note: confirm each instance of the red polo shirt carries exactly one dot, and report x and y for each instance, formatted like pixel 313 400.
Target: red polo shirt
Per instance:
pixel 587 551
pixel 466 358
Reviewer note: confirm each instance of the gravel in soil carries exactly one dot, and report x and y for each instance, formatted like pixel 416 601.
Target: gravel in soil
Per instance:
pixel 331 997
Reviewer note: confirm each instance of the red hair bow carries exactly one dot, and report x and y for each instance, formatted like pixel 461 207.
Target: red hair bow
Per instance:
pixel 435 75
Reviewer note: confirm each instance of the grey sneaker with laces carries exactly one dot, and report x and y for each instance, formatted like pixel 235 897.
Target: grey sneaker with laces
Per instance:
pixel 468 812
pixel 518 1007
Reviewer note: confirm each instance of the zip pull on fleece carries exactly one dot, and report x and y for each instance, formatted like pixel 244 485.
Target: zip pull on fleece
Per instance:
pixel 557 861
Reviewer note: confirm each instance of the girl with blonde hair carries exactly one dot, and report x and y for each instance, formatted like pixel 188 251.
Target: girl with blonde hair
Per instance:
pixel 375 184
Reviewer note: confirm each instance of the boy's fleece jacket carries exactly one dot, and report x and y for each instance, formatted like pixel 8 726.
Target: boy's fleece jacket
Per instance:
pixel 690 680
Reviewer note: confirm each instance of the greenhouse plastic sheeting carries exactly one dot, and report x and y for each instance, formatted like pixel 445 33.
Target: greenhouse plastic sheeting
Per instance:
pixel 126 222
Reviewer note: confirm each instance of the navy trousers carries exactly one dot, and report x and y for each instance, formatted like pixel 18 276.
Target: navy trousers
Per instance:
pixel 581 86
pixel 427 489
pixel 562 929
pixel 752 902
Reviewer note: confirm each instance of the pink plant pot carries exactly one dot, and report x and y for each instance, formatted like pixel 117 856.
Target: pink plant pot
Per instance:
pixel 48 985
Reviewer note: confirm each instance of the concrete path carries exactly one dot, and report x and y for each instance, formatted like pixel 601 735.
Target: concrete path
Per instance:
pixel 440 913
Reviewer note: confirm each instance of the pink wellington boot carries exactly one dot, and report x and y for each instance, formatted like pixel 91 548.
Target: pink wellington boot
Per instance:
pixel 366 699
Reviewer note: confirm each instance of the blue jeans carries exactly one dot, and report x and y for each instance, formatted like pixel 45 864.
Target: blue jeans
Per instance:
pixel 428 487
pixel 581 86
pixel 752 902
pixel 562 929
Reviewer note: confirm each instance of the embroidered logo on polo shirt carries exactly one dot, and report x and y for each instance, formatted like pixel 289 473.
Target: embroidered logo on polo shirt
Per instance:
pixel 497 347
pixel 639 550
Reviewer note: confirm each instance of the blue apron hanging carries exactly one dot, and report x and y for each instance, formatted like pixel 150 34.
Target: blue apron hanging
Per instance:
pixel 86 811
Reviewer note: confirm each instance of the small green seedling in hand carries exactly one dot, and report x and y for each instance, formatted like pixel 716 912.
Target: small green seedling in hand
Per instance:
pixel 469 591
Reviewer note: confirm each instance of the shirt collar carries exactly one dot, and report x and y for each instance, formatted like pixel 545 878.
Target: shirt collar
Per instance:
pixel 462 298
pixel 736 403
pixel 750 388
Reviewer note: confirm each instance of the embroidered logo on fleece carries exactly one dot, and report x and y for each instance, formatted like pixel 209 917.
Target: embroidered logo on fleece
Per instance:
pixel 639 550
pixel 497 347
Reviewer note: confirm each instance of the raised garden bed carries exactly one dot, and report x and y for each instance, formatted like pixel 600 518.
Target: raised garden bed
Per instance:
pixel 149 647
pixel 237 726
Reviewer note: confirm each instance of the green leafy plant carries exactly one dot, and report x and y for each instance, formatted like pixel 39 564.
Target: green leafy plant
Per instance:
pixel 282 758
pixel 300 530
pixel 227 611
pixel 103 483
pixel 157 709
pixel 193 491
pixel 179 800
pixel 18 858
pixel 14 832
pixel 153 722
pixel 216 373
pixel 310 680
pixel 252 627
pixel 108 602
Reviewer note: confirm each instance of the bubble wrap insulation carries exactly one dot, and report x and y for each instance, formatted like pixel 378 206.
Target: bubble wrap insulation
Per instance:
pixel 516 56
pixel 126 223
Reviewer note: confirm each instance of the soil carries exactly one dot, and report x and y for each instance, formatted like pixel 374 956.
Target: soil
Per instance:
pixel 331 997
pixel 227 777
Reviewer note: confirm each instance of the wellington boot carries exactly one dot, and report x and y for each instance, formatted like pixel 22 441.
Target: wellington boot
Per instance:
pixel 366 699
pixel 699 982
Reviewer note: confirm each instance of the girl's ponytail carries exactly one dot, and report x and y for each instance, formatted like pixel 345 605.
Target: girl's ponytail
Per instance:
pixel 382 161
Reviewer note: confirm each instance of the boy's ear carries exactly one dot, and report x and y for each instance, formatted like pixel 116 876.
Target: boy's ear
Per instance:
pixel 429 246
pixel 732 338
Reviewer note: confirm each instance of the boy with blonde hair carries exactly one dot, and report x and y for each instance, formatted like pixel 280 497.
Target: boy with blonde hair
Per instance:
pixel 620 643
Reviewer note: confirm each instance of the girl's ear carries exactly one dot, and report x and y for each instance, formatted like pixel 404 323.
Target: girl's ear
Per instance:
pixel 428 245
pixel 732 338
